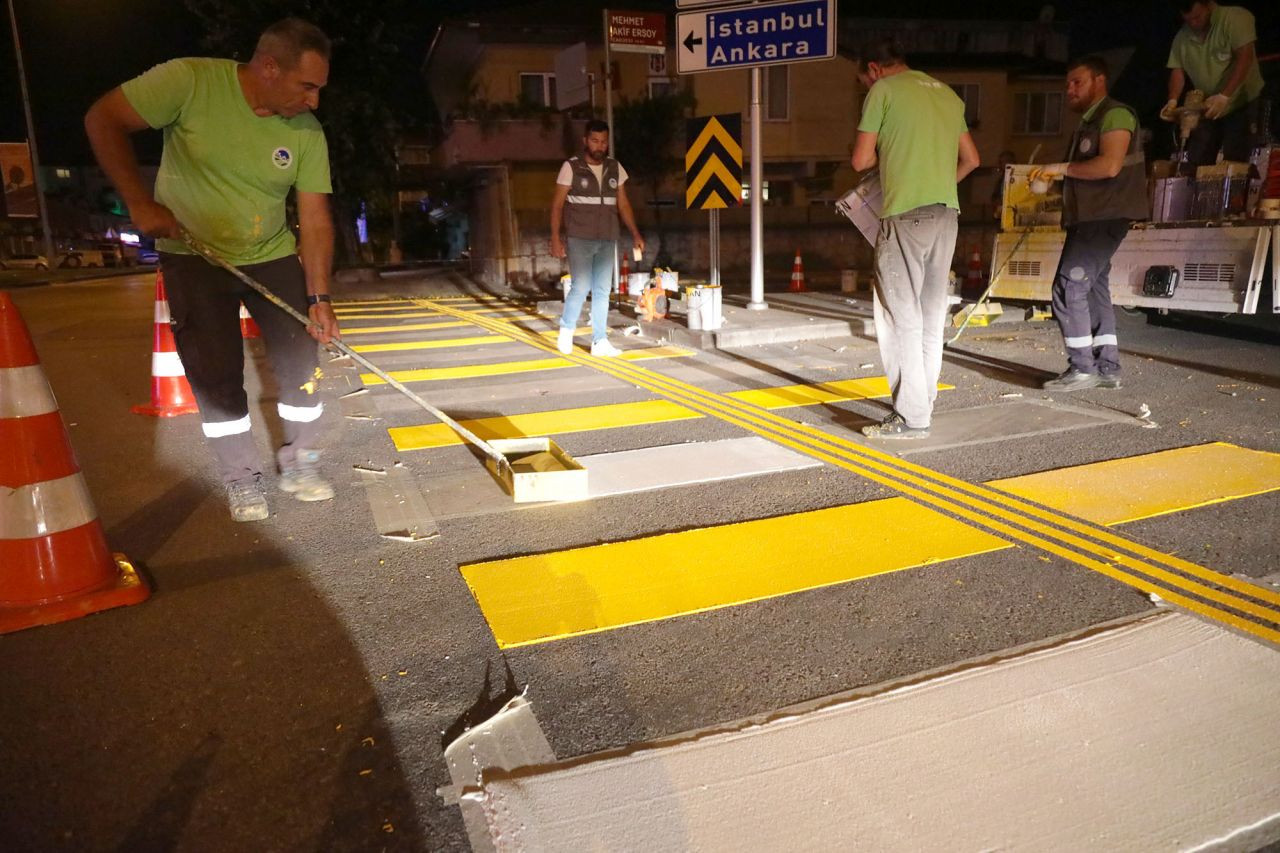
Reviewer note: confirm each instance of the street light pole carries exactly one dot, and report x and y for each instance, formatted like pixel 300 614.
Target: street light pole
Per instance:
pixel 31 141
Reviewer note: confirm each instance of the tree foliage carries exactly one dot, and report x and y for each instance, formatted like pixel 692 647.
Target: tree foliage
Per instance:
pixel 375 88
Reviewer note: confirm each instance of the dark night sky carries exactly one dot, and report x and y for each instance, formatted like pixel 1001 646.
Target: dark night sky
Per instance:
pixel 77 49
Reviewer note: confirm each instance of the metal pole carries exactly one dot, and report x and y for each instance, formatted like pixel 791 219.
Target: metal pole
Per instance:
pixel 31 142
pixel 757 302
pixel 608 82
pixel 714 278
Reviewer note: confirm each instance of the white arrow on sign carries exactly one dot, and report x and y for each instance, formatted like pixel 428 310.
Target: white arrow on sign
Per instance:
pixel 693 43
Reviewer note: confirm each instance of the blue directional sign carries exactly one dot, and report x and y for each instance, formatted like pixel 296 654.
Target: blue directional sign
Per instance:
pixel 760 34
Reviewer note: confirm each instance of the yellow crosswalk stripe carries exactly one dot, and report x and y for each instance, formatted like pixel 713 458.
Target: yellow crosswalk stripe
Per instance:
pixel 1182 583
pixel 546 597
pixel 446 343
pixel 615 415
pixel 407 327
pixel 410 315
pixel 470 371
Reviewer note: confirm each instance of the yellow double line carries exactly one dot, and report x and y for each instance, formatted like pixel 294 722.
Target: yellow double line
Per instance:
pixel 1242 605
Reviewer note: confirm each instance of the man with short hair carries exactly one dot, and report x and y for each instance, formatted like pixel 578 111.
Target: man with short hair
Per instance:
pixel 1216 48
pixel 1104 191
pixel 237 139
pixel 589 199
pixel 913 127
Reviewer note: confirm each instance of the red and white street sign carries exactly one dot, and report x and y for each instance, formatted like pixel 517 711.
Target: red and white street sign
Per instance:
pixel 637 32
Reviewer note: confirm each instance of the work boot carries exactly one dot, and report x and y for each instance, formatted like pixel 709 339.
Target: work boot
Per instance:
pixel 1110 381
pixel 246 500
pixel 564 342
pixel 302 479
pixel 895 427
pixel 1074 380
pixel 604 349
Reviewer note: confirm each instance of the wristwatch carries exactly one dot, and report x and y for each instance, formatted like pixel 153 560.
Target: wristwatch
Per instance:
pixel 313 298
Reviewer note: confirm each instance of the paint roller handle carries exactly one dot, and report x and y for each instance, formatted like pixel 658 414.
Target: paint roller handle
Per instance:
pixel 209 255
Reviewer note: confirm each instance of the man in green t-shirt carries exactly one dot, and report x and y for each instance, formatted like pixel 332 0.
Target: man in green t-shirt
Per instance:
pixel 1216 49
pixel 1104 192
pixel 238 138
pixel 913 127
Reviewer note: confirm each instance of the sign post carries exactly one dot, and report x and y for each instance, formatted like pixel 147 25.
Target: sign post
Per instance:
pixel 754 36
pixel 713 173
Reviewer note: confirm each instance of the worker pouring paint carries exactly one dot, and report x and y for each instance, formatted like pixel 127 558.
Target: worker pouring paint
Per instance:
pixel 913 127
pixel 1216 50
pixel 237 139
pixel 1104 191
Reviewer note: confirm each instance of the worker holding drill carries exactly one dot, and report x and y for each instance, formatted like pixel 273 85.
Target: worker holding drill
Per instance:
pixel 1104 191
pixel 1215 49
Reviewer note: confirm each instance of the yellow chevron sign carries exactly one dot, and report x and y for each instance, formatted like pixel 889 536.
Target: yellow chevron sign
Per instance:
pixel 713 163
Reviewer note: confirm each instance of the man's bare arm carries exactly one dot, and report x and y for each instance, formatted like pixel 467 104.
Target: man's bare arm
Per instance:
pixel 629 218
pixel 968 159
pixel 557 212
pixel 864 151
pixel 316 248
pixel 109 123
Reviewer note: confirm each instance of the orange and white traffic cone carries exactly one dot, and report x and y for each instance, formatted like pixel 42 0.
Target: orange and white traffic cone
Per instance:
pixel 624 278
pixel 54 561
pixel 170 391
pixel 797 275
pixel 973 276
pixel 248 326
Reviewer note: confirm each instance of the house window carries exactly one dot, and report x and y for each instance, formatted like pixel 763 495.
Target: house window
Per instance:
pixel 777 92
pixel 746 192
pixel 538 89
pixel 971 94
pixel 63 173
pixel 1037 113
pixel 661 87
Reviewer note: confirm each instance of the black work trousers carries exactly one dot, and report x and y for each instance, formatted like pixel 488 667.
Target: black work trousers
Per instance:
pixel 1082 295
pixel 204 310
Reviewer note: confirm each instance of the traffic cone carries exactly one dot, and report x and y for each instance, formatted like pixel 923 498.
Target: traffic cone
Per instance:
pixel 624 277
pixel 170 392
pixel 797 275
pixel 248 326
pixel 973 277
pixel 54 560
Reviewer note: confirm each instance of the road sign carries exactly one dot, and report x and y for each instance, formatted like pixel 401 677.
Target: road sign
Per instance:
pixel 692 4
pixel 637 32
pixel 713 163
pixel 751 36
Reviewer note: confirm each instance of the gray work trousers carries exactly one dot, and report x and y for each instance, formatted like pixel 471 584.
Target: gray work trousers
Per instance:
pixel 913 260
pixel 1082 295
pixel 204 307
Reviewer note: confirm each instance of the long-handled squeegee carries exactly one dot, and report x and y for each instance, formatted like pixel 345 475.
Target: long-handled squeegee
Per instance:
pixel 531 469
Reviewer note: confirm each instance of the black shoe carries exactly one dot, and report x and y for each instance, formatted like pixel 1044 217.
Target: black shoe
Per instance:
pixel 894 427
pixel 1072 380
pixel 1109 380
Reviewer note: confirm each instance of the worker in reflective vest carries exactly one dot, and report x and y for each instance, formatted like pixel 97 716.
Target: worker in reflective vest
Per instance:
pixel 589 200
pixel 1104 192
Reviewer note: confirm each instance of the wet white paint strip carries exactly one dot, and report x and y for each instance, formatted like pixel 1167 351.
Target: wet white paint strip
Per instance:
pixel 1157 735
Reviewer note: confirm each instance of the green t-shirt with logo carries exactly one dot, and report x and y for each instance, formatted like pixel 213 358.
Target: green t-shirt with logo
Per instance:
pixel 919 122
pixel 225 172
pixel 1207 60
pixel 1116 118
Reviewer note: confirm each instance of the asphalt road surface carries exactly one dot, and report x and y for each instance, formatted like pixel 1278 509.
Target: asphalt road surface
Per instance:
pixel 291 684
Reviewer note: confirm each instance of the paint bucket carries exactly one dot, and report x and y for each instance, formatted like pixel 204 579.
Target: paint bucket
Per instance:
pixel 703 302
pixel 636 283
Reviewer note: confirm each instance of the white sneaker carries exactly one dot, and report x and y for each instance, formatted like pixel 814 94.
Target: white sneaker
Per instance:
pixel 604 349
pixel 564 342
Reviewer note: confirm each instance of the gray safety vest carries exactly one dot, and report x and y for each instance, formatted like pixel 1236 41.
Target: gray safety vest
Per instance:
pixel 591 210
pixel 1121 197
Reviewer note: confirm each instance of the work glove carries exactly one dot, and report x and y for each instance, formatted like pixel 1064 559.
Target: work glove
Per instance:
pixel 1169 112
pixel 1216 105
pixel 1048 172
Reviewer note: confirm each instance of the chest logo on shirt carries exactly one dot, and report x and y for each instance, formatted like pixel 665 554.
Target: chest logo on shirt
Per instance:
pixel 585 183
pixel 282 158
pixel 613 183
pixel 1086 145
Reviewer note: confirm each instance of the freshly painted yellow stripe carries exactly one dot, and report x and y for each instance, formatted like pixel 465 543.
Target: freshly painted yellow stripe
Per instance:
pixel 408 327
pixel 360 303
pixel 468 371
pixel 1082 542
pixel 617 415
pixel 547 597
pixel 409 315
pixel 544 423
pixel 445 343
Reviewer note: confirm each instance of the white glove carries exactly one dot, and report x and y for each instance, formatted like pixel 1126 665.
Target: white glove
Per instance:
pixel 1169 111
pixel 1048 172
pixel 1215 105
